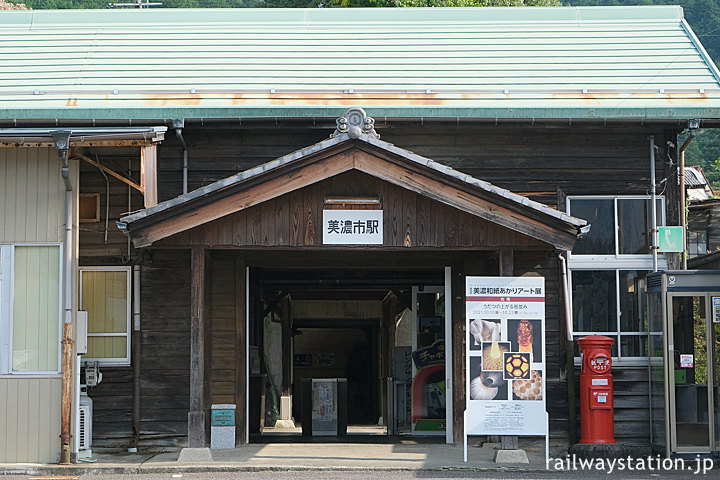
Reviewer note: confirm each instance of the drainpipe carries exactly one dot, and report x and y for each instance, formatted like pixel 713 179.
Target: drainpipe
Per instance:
pixel 136 349
pixel 569 354
pixel 62 143
pixel 178 125
pixel 653 207
pixel 693 126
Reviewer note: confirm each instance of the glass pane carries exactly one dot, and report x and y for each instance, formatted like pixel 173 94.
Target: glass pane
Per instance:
pixel 613 348
pixel 107 347
pixel 634 346
pixel 428 386
pixel 690 372
pixel 600 214
pixel 634 226
pixel 36 309
pixel 594 301
pixel 632 301
pixel 697 243
pixel 104 297
pixel 431 315
pixel 658 435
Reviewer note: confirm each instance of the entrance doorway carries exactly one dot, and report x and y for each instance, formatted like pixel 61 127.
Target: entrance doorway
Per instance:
pixel 356 327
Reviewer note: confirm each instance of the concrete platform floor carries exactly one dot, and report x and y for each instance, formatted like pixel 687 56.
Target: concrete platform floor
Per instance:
pixel 402 454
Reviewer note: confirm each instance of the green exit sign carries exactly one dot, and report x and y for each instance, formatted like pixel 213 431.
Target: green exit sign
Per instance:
pixel 670 239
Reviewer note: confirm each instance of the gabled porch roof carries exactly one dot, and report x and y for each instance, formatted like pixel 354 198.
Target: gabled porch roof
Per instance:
pixel 343 153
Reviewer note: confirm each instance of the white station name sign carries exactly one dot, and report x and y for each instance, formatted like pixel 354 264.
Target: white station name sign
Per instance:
pixel 352 227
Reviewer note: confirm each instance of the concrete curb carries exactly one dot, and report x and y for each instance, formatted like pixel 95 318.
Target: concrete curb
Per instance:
pixel 60 470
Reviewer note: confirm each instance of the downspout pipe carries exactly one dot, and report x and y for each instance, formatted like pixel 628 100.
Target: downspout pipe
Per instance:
pixel 693 126
pixel 136 350
pixel 61 139
pixel 653 206
pixel 178 125
pixel 569 353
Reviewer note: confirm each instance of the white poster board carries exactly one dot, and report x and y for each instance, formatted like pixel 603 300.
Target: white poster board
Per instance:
pixel 505 383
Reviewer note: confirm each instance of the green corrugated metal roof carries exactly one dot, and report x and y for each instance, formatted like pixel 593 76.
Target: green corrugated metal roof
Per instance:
pixel 592 62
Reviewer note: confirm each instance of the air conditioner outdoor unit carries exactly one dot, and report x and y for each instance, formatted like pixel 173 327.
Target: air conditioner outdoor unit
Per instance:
pixel 85 430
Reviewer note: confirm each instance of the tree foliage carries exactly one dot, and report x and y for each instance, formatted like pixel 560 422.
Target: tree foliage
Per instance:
pixel 63 4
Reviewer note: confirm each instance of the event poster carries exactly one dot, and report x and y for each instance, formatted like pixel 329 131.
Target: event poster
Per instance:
pixel 505 384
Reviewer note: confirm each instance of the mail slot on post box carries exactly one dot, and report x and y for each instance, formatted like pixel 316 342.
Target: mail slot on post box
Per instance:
pixel 597 423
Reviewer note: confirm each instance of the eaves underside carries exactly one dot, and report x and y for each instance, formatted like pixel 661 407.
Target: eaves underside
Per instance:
pixel 667 112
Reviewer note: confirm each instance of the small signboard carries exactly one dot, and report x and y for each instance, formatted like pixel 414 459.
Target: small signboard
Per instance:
pixel 302 360
pixel 686 361
pixel 670 239
pixel 716 309
pixel 223 417
pixel 352 227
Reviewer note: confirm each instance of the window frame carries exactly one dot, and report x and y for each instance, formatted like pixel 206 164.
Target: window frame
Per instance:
pixel 616 262
pixel 594 258
pixel 691 253
pixel 7 320
pixel 619 334
pixel 112 361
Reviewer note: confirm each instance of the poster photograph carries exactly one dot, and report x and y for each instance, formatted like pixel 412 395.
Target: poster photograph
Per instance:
pixel 505 353
pixel 525 335
pixel 486 385
pixel 530 389
pixel 483 330
pixel 492 355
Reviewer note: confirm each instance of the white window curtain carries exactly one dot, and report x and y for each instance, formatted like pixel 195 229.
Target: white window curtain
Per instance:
pixel 30 296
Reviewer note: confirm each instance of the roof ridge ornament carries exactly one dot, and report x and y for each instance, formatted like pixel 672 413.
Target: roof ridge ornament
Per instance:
pixel 355 122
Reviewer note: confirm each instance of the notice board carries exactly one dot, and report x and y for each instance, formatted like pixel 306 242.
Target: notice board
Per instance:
pixel 505 356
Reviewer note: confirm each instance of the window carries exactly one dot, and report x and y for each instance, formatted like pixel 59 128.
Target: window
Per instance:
pixel 619 225
pixel 105 295
pixel 612 303
pixel 30 309
pixel 608 269
pixel 89 207
pixel 696 243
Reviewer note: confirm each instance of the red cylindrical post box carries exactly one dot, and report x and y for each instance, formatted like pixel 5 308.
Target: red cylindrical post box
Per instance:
pixel 597 424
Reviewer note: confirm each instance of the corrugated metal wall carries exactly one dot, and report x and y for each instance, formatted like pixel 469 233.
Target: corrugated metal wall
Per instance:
pixel 31 193
pixel 30 419
pixel 32 211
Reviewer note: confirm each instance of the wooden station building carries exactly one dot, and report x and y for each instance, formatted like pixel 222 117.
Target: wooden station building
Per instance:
pixel 220 142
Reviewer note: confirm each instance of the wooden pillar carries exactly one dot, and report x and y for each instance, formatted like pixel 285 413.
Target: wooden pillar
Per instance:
pixel 506 260
pixel 391 335
pixel 286 346
pixel 458 348
pixel 241 379
pixel 196 415
pixel 148 174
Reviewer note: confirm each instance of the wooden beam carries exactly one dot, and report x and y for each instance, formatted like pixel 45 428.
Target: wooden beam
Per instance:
pixel 241 378
pixel 108 171
pixel 148 174
pixel 196 415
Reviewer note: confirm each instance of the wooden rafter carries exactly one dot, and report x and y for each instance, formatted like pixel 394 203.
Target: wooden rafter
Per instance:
pixel 109 172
